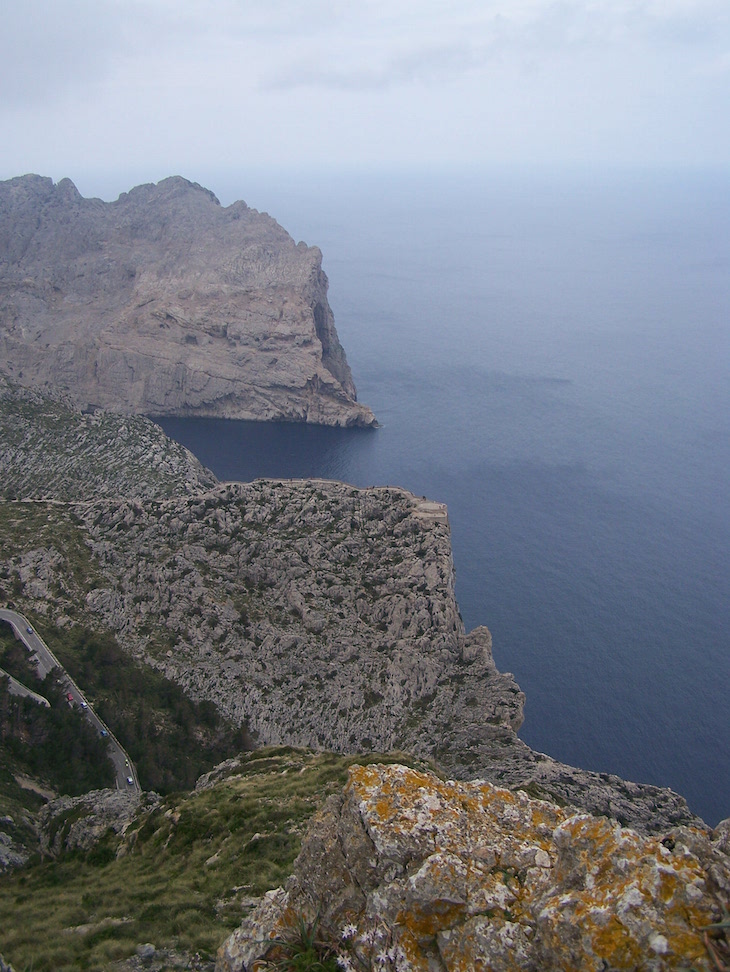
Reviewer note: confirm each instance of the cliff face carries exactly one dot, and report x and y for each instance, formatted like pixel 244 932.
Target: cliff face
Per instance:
pixel 318 614
pixel 164 302
pixel 407 872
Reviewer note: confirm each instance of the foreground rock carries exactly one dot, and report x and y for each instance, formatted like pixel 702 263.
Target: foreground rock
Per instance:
pixel 164 302
pixel 406 872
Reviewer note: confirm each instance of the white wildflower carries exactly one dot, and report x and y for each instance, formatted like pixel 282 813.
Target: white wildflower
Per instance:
pixel 369 937
pixel 349 931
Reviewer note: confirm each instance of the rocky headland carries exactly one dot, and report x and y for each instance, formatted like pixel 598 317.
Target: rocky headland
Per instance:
pixel 319 616
pixel 313 612
pixel 166 303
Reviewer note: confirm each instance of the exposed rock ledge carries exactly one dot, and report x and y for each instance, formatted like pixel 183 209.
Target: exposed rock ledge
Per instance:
pixel 164 302
pixel 407 872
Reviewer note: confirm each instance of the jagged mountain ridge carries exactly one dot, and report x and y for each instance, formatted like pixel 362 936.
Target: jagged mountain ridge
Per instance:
pixel 165 302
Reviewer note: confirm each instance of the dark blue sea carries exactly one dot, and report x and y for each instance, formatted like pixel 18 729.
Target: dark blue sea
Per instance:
pixel 549 354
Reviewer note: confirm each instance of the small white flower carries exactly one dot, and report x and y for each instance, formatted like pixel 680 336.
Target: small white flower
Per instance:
pixel 349 931
pixel 369 937
pixel 344 963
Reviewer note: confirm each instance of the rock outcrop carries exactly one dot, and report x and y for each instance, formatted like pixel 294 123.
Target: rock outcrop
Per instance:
pixel 12 854
pixel 406 872
pixel 78 823
pixel 325 616
pixel 165 302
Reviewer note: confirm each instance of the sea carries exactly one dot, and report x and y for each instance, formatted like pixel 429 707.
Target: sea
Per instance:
pixel 548 353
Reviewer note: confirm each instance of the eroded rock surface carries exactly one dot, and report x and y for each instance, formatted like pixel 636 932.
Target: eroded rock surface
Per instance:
pixel 165 302
pixel 322 614
pixel 51 449
pixel 404 871
pixel 78 823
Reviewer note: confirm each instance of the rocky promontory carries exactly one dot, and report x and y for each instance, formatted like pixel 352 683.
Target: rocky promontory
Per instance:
pixel 166 303
pixel 323 619
pixel 315 613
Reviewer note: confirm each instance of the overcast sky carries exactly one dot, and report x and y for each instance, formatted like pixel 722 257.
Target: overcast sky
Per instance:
pixel 153 87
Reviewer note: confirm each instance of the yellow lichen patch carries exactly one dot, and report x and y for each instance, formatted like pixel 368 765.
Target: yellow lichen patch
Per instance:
pixel 485 868
pixel 474 878
pixel 628 897
pixel 423 925
pixel 412 873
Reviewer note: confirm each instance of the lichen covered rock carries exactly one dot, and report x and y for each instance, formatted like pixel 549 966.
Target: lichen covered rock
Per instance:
pixel 405 871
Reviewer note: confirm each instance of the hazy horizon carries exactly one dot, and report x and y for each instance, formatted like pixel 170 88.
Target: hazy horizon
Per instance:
pixel 155 88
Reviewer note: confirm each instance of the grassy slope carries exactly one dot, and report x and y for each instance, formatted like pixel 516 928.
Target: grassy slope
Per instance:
pixel 185 871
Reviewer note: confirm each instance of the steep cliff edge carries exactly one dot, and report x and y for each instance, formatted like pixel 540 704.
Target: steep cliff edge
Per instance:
pixel 315 613
pixel 165 302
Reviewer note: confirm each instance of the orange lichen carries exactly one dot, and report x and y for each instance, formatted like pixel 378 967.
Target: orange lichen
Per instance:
pixel 495 881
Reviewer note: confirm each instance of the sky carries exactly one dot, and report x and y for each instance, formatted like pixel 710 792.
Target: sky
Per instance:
pixel 141 89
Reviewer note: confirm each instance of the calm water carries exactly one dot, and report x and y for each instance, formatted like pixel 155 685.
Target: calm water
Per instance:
pixel 549 356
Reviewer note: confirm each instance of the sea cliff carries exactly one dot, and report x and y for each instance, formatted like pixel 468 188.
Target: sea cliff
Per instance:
pixel 164 302
pixel 316 613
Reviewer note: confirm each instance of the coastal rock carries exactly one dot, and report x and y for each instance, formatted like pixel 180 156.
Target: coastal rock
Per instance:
pixel 315 613
pixel 164 302
pixel 405 871
pixel 325 616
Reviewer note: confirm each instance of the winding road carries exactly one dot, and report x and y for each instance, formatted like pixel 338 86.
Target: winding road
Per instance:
pixel 45 661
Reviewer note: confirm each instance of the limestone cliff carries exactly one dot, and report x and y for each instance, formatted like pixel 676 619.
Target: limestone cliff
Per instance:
pixel 408 873
pixel 165 302
pixel 316 613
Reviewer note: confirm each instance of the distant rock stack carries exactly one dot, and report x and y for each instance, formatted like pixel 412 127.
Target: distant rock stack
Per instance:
pixel 166 303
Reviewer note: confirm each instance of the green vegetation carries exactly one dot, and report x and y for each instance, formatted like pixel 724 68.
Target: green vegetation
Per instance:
pixel 183 874
pixel 170 738
pixel 57 745
pixel 303 951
